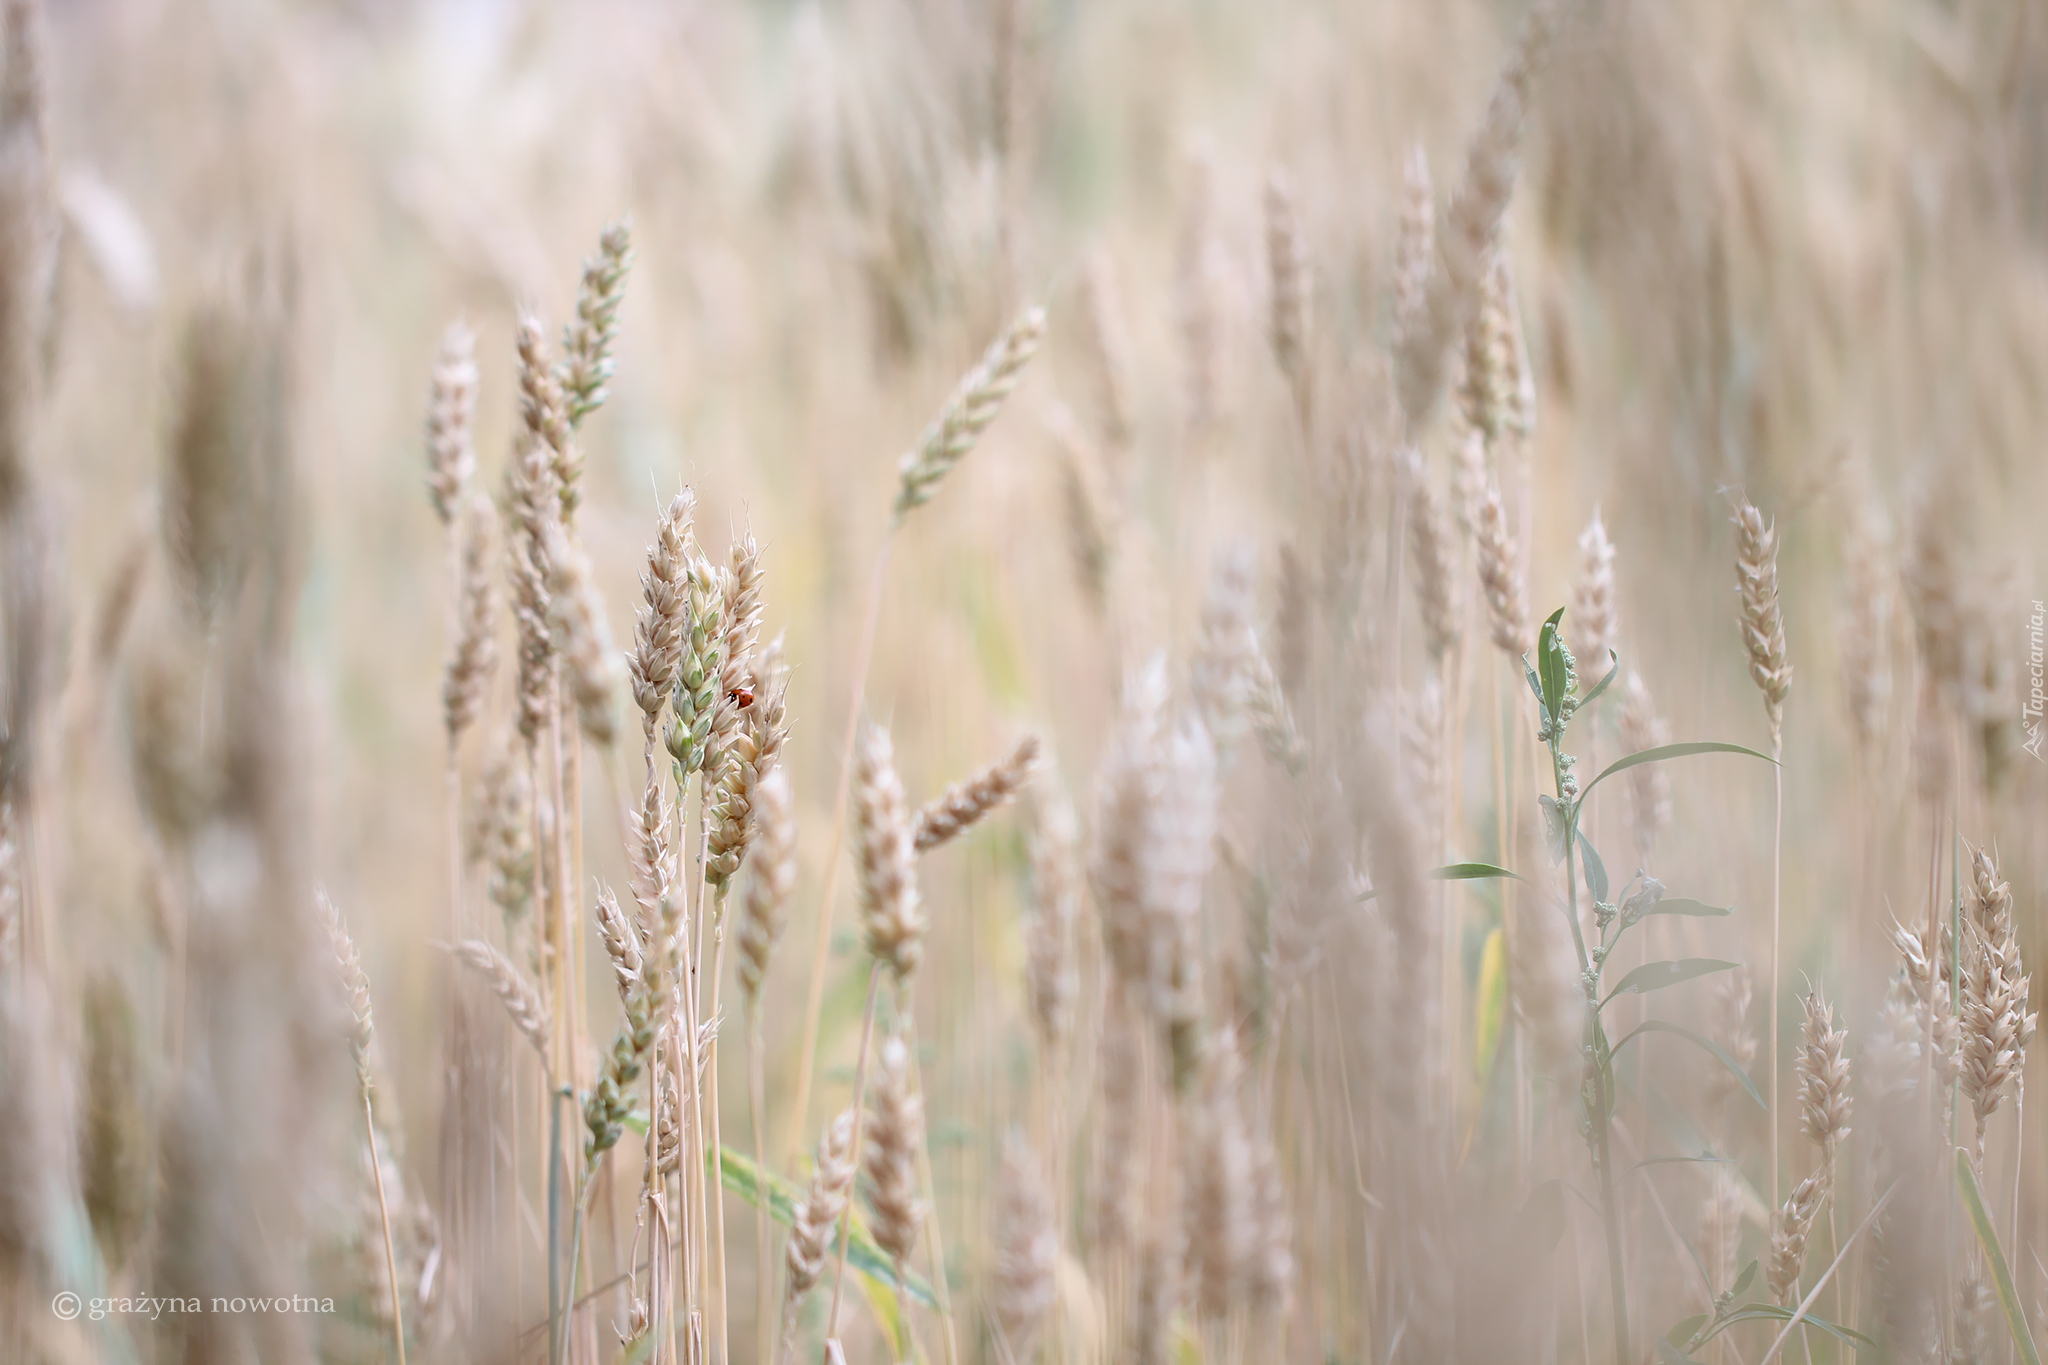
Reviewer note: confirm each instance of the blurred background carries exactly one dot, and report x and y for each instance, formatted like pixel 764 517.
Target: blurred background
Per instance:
pixel 1796 249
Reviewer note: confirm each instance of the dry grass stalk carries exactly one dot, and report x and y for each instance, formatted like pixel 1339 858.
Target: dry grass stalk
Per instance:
pixel 521 1001
pixel 764 906
pixel 1023 1283
pixel 885 854
pixel 1763 631
pixel 969 411
pixel 361 1033
pixel 1595 613
pixel 971 800
pixel 1934 583
pixel 1500 574
pixel 451 422
pixel 475 653
pixel 664 611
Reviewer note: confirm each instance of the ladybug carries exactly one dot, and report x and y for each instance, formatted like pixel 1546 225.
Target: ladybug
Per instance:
pixel 741 697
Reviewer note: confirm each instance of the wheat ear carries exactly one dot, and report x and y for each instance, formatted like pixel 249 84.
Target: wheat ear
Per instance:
pixel 970 801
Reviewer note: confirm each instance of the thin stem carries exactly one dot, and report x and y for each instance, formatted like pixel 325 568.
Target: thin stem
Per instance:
pixel 860 1087
pixel 1777 852
pixel 757 1103
pixel 1601 1105
pixel 384 1208
pixel 924 1160
pixel 575 1259
pixel 821 951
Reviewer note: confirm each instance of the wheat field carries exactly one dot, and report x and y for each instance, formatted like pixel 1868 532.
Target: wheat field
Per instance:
pixel 1021 683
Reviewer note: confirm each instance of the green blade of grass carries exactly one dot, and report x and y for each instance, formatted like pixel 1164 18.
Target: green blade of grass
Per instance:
pixel 1664 751
pixel 2001 1273
pixel 1719 1053
pixel 1655 976
pixel 737 1174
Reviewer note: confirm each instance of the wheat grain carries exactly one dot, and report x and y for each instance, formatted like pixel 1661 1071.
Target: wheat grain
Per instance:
pixel 885 855
pixel 621 943
pixel 582 637
pixel 475 654
pixel 889 1144
pixel 1050 974
pixel 1292 281
pixel 971 800
pixel 587 343
pixel 451 421
pixel 1823 1080
pixel 522 1003
pixel 764 908
pixel 1500 574
pixel 1027 1251
pixel 1763 631
pixel 664 611
pixel 1649 787
pixel 969 411
pixel 1594 618
pixel 1436 566
pixel 1789 1232
pixel 810 1233
pixel 1414 245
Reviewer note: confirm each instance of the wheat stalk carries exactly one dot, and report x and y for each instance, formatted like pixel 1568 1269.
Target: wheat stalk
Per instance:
pixel 971 800
pixel 361 1032
pixel 968 412
pixel 451 422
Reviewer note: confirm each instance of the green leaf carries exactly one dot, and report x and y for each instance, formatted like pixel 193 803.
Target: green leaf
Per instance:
pixel 1655 976
pixel 1667 1354
pixel 1535 687
pixel 1720 1054
pixel 738 1175
pixel 2001 1273
pixel 1491 1008
pixel 1742 1281
pixel 1470 872
pixel 1554 826
pixel 1681 905
pixel 1771 1312
pixel 1596 871
pixel 1664 751
pixel 1550 664
pixel 1681 1161
pixel 1613 668
pixel 1682 1331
